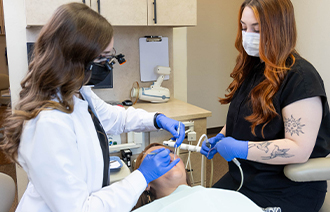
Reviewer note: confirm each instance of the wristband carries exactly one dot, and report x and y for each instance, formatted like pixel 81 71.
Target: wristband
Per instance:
pixel 155 122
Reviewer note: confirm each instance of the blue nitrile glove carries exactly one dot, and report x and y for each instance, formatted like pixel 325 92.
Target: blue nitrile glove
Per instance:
pixel 205 150
pixel 156 164
pixel 171 125
pixel 230 148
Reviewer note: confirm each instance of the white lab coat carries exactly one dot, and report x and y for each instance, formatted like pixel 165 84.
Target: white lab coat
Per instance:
pixel 62 157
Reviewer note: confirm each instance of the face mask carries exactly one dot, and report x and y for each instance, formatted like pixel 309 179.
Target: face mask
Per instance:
pixel 251 42
pixel 99 73
pixel 102 68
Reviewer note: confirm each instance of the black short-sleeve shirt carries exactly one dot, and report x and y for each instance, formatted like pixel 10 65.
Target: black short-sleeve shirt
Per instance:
pixel 302 81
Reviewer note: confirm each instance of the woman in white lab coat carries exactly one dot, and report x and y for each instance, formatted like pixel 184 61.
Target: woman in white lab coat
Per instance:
pixel 57 130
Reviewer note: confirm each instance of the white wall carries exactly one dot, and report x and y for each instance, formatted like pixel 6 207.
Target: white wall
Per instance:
pixel 211 56
pixel 14 13
pixel 312 19
pixel 180 63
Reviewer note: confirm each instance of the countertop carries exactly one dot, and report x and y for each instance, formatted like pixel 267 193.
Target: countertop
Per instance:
pixel 175 109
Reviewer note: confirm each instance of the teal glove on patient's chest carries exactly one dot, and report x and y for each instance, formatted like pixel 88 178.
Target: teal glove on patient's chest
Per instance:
pixel 230 148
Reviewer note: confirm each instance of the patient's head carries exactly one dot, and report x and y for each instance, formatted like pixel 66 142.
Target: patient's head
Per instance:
pixel 165 184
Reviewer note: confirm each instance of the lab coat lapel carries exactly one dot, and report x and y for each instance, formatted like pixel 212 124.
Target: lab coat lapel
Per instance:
pixel 85 92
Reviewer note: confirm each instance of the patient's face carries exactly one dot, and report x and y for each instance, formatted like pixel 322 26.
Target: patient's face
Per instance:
pixel 175 177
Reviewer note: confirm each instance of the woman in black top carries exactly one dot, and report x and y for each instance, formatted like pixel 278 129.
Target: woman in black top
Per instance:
pixel 278 111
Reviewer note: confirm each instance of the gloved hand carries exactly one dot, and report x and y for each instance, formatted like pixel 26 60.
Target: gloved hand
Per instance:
pixel 155 165
pixel 205 150
pixel 230 148
pixel 171 125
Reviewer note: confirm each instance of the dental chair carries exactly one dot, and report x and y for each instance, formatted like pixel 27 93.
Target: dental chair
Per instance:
pixel 7 192
pixel 315 169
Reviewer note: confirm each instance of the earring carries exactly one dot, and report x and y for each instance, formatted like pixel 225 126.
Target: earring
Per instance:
pixel 148 196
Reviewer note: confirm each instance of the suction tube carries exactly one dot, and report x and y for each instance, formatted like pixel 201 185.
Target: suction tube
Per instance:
pixel 188 147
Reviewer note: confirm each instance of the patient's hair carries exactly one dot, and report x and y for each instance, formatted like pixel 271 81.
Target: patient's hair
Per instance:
pixel 148 196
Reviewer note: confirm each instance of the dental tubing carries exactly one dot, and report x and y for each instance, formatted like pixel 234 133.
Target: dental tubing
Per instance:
pixel 188 147
pixel 178 131
pixel 197 148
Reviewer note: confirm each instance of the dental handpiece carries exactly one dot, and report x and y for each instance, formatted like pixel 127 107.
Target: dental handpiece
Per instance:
pixel 208 144
pixel 188 147
pixel 178 131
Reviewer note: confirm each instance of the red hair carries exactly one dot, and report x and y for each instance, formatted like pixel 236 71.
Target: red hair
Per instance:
pixel 278 37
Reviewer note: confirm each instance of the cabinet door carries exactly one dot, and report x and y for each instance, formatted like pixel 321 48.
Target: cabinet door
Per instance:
pixel 123 12
pixel 173 12
pixel 39 11
pixel 2 20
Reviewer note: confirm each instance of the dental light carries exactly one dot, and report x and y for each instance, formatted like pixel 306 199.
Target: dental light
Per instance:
pixel 155 93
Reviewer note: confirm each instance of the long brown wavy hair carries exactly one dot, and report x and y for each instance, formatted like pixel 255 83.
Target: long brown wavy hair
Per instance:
pixel 74 36
pixel 147 197
pixel 278 37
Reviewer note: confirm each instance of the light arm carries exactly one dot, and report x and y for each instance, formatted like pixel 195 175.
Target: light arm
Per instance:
pixel 223 130
pixel 302 121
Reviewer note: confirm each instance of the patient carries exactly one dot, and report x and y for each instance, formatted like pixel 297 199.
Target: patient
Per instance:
pixel 172 191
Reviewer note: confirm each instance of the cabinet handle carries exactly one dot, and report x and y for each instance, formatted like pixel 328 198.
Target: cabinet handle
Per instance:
pixel 155 11
pixel 99 6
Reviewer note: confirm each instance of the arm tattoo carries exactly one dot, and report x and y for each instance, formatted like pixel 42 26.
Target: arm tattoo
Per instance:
pixel 293 126
pixel 277 152
pixel 263 146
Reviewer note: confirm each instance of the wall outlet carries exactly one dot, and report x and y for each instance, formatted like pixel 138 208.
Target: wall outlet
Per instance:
pixel 191 136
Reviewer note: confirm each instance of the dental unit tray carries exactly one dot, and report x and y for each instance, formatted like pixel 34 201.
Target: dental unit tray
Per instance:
pixel 115 163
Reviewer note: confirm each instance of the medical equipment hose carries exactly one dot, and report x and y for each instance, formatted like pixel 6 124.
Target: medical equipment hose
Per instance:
pixel 197 148
pixel 203 158
pixel 234 160
pixel 211 177
pixel 241 171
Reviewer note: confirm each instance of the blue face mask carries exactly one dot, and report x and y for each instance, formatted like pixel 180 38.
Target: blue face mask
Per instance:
pixel 251 42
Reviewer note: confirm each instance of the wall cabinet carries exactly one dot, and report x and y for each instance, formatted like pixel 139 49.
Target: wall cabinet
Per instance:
pixel 148 12
pixel 38 12
pixel 2 20
pixel 123 12
pixel 172 13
